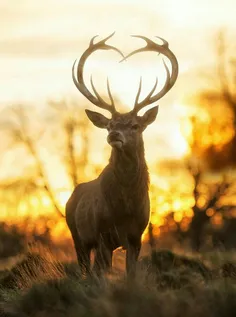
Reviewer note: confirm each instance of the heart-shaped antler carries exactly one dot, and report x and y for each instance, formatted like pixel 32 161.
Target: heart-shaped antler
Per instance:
pixel 170 79
pixel 150 46
pixel 79 79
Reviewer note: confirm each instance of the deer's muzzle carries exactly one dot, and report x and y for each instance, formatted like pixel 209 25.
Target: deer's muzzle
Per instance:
pixel 115 139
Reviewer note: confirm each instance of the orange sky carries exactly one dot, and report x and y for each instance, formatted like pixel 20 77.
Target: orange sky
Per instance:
pixel 40 40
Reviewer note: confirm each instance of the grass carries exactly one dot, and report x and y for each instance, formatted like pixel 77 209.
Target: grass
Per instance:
pixel 166 285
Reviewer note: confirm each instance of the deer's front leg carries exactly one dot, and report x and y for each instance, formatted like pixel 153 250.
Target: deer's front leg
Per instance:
pixel 103 259
pixel 132 253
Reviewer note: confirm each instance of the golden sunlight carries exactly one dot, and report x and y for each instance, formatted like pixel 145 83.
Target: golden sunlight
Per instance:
pixel 63 197
pixel 42 39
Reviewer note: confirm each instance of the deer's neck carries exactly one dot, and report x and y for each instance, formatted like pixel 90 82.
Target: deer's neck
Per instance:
pixel 129 167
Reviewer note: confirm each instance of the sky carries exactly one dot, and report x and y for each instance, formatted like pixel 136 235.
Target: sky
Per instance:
pixel 41 39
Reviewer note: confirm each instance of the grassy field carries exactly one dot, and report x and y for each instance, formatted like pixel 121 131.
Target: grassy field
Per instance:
pixel 166 285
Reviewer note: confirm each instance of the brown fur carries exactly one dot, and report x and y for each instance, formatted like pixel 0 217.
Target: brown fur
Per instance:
pixel 112 210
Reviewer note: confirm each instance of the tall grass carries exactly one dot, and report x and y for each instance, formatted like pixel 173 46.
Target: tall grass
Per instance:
pixel 166 285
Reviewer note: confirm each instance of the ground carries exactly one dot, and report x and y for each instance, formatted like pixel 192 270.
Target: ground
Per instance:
pixel 167 284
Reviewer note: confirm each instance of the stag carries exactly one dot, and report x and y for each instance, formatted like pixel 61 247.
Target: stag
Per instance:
pixel 113 210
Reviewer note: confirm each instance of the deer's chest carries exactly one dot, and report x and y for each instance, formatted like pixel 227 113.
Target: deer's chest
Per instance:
pixel 127 216
pixel 130 210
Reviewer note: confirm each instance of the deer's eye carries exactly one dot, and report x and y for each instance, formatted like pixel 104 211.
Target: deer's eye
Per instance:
pixel 135 127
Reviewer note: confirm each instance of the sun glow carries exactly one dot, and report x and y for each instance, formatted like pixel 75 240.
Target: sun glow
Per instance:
pixel 63 197
pixel 38 50
pixel 124 77
pixel 166 195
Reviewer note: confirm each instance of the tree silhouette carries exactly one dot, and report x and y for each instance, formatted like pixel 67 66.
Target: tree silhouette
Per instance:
pixel 18 122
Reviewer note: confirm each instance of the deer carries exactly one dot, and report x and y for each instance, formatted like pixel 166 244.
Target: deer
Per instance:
pixel 113 210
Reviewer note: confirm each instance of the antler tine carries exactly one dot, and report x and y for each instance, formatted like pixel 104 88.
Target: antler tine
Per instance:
pixel 106 38
pixel 109 93
pixel 102 44
pixel 138 106
pixel 139 91
pixel 79 81
pixel 73 75
pixel 165 43
pixel 91 43
pixel 143 49
pixel 102 105
pixel 146 101
pixel 170 79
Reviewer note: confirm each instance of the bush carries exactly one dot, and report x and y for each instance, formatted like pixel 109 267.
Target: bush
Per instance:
pixel 166 285
pixel 12 240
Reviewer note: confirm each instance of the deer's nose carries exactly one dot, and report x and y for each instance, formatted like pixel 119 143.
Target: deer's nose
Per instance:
pixel 114 135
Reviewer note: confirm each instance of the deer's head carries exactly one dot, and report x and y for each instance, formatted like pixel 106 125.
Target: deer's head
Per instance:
pixel 125 130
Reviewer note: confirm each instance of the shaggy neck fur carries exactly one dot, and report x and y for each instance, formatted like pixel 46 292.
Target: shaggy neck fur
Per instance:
pixel 129 167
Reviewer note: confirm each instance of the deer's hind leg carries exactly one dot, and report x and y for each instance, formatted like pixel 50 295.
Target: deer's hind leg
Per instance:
pixel 132 253
pixel 83 251
pixel 103 258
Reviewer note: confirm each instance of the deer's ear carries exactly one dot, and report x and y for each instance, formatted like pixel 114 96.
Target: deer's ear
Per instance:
pixel 149 116
pixel 97 119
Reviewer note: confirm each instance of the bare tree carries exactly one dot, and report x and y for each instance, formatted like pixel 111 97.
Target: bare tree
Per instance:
pixel 225 95
pixel 227 73
pixel 206 203
pixel 209 200
pixel 20 132
pixel 75 157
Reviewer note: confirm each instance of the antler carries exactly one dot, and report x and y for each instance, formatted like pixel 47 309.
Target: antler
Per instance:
pixel 79 81
pixel 170 79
